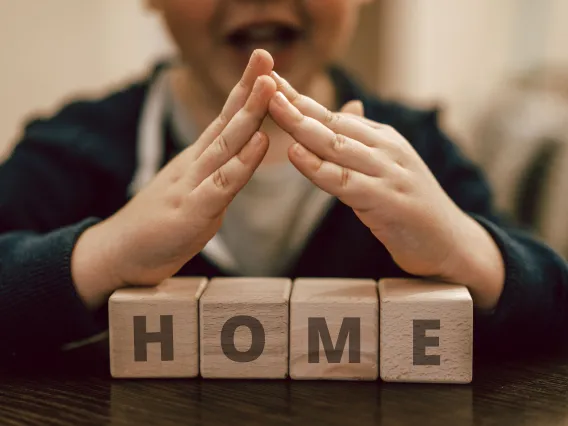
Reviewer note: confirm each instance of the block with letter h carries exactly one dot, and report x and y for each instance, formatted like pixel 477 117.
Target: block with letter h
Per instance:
pixel 154 330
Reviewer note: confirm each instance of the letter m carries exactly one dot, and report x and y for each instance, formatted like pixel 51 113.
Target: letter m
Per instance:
pixel 317 327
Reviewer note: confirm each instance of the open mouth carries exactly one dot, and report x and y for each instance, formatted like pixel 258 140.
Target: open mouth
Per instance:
pixel 273 37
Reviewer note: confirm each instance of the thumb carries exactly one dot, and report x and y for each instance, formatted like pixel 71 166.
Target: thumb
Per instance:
pixel 354 107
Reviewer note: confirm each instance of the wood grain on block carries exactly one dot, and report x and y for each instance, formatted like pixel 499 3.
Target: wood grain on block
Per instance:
pixel 334 329
pixel 244 328
pixel 154 330
pixel 426 331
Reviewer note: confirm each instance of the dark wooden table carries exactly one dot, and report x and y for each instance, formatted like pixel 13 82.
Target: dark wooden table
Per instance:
pixel 529 391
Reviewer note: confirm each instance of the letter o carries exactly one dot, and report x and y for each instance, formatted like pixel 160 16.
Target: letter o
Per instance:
pixel 228 338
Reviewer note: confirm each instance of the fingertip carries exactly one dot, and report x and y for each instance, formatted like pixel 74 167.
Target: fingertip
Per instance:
pixel 265 60
pixel 268 82
pixel 260 138
pixel 304 160
pixel 277 79
pixel 275 107
pixel 297 150
pixel 294 155
pixel 354 107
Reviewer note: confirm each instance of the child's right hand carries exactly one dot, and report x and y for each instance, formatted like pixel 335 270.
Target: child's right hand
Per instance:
pixel 174 217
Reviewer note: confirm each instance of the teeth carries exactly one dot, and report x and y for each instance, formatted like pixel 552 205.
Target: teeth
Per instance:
pixel 269 37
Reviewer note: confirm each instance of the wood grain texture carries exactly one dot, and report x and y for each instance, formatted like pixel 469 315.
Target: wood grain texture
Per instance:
pixel 77 390
pixel 175 299
pixel 337 301
pixel 426 332
pixel 255 308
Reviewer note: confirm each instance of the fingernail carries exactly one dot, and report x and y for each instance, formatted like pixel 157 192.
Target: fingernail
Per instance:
pixel 256 139
pixel 258 84
pixel 291 111
pixel 279 80
pixel 281 100
pixel 299 149
pixel 254 57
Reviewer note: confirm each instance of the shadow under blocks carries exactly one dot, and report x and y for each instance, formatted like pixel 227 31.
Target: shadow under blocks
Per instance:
pixel 403 330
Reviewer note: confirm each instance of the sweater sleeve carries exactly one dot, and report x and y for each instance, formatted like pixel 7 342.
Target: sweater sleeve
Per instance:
pixel 67 173
pixel 39 305
pixel 533 309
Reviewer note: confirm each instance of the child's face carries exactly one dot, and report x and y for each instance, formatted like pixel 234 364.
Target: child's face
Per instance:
pixel 216 37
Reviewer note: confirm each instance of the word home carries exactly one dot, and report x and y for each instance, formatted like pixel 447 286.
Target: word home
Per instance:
pixel 272 328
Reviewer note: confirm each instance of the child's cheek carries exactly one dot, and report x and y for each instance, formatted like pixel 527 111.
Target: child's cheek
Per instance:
pixel 196 11
pixel 189 19
pixel 333 24
pixel 189 23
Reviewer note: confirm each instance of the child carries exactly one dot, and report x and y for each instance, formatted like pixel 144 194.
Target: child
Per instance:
pixel 200 170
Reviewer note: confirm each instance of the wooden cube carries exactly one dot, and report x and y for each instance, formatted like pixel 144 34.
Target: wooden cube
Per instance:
pixel 244 328
pixel 426 331
pixel 334 329
pixel 154 330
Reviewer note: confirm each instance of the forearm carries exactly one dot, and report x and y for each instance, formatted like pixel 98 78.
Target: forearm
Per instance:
pixel 478 264
pixel 92 268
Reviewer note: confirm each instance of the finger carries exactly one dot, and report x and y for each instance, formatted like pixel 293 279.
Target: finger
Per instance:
pixel 339 123
pixel 322 141
pixel 354 107
pixel 351 187
pixel 260 63
pixel 214 194
pixel 236 134
pixel 364 120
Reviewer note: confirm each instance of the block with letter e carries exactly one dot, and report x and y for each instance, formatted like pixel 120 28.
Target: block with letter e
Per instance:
pixel 244 328
pixel 426 331
pixel 334 329
pixel 154 330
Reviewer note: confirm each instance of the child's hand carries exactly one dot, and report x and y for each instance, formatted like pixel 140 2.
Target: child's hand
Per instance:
pixel 374 170
pixel 174 217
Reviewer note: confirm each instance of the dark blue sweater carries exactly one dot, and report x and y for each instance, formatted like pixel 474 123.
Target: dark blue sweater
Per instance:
pixel 73 169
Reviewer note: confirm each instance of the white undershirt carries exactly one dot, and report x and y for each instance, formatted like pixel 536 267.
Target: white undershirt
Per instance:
pixel 270 219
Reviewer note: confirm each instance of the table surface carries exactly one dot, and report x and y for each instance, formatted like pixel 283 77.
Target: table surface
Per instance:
pixel 529 391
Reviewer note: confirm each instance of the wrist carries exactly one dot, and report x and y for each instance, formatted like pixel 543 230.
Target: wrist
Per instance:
pixel 92 267
pixel 478 264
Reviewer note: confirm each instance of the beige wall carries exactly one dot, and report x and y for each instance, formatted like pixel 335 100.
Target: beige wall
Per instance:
pixel 456 53
pixel 51 49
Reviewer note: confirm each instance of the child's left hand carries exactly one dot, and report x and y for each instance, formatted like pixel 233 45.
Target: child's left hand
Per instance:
pixel 374 170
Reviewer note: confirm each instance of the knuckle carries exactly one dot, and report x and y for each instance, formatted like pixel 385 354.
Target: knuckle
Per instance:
pixel 294 96
pixel 242 82
pixel 223 145
pixel 338 143
pixel 345 177
pixel 252 110
pixel 220 179
pixel 223 118
pixel 174 199
pixel 331 119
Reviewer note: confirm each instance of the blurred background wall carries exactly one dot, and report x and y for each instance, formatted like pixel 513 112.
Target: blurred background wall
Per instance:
pixel 51 50
pixel 454 54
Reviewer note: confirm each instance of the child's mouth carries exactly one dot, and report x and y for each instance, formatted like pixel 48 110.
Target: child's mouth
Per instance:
pixel 276 38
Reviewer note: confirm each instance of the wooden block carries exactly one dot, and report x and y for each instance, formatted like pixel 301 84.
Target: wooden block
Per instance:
pixel 334 329
pixel 426 331
pixel 154 330
pixel 244 328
